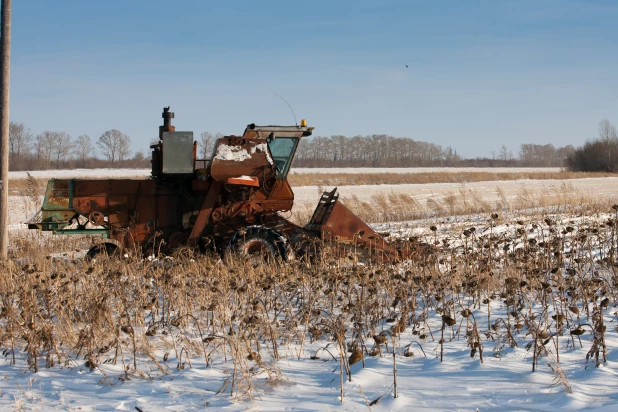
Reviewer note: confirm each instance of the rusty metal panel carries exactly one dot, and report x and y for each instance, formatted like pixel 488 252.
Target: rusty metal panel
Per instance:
pixel 177 152
pixel 204 215
pixel 87 188
pixel 335 221
pixel 119 219
pixel 200 185
pixel 124 187
pixel 87 205
pixel 235 156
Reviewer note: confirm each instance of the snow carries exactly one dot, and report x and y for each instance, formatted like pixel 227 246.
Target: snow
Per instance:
pixel 402 170
pixel 306 196
pixel 263 148
pixel 311 381
pixel 231 153
pixel 142 173
pixel 424 383
pixel 22 210
pixel 84 174
pixel 260 148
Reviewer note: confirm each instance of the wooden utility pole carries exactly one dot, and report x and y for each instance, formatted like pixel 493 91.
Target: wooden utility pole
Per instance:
pixel 5 83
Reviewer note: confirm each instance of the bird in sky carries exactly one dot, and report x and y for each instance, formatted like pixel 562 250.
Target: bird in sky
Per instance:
pixel 406 66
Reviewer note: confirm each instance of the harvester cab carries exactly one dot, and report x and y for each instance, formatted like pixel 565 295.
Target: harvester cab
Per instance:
pixel 231 201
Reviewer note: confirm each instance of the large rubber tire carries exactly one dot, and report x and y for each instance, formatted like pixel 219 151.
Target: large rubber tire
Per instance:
pixel 103 251
pixel 259 242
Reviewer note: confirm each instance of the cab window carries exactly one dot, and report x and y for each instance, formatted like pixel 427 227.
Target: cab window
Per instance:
pixel 282 150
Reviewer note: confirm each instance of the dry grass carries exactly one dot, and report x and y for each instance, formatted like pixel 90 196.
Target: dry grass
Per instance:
pixel 345 179
pixel 18 186
pixel 244 318
pixel 540 282
pixel 398 207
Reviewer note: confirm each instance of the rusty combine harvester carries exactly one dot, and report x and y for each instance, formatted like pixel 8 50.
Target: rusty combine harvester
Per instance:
pixel 231 202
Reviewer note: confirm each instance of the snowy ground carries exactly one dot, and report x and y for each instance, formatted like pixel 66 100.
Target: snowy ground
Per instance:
pixel 424 383
pixel 141 173
pixel 83 174
pixel 503 381
pixel 372 170
pixel 307 196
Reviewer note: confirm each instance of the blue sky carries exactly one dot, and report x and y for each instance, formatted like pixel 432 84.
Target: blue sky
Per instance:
pixel 482 73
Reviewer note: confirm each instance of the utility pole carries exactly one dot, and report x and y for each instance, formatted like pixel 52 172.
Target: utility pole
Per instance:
pixel 5 83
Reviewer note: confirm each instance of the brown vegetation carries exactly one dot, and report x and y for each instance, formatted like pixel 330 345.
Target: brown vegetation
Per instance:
pixel 598 155
pixel 401 207
pixel 539 283
pixel 356 179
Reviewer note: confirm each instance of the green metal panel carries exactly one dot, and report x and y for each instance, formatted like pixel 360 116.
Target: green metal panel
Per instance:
pixel 177 152
pixel 59 195
pixel 103 232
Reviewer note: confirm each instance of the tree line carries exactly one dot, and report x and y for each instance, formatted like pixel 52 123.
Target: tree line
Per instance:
pixel 388 151
pixel 56 150
pixel 381 150
pixel 59 150
pixel 599 154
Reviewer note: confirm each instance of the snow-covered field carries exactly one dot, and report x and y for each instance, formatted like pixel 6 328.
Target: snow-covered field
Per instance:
pixel 503 381
pixel 306 197
pixel 373 170
pixel 459 383
pixel 310 380
pixel 141 173
pixel 83 174
pixel 607 187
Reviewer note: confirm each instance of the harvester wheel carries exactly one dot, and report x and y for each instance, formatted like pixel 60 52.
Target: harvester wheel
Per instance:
pixel 103 251
pixel 259 241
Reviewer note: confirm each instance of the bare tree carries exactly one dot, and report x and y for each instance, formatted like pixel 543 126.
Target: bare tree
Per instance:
pixel 208 143
pixel 505 153
pixel 20 142
pixel 45 144
pixel 597 155
pixel 140 159
pixel 62 147
pixel 124 149
pixel 531 154
pixel 83 149
pixel 115 145
pixel 607 131
pixel 339 145
pixel 608 137
pixel 366 151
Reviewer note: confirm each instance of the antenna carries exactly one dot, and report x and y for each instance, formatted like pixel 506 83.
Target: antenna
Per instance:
pixel 286 102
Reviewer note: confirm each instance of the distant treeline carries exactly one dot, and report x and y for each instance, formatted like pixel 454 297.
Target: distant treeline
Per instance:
pixel 599 154
pixel 389 151
pixel 58 150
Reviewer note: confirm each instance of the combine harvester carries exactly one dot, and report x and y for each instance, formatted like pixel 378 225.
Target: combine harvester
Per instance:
pixel 231 202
